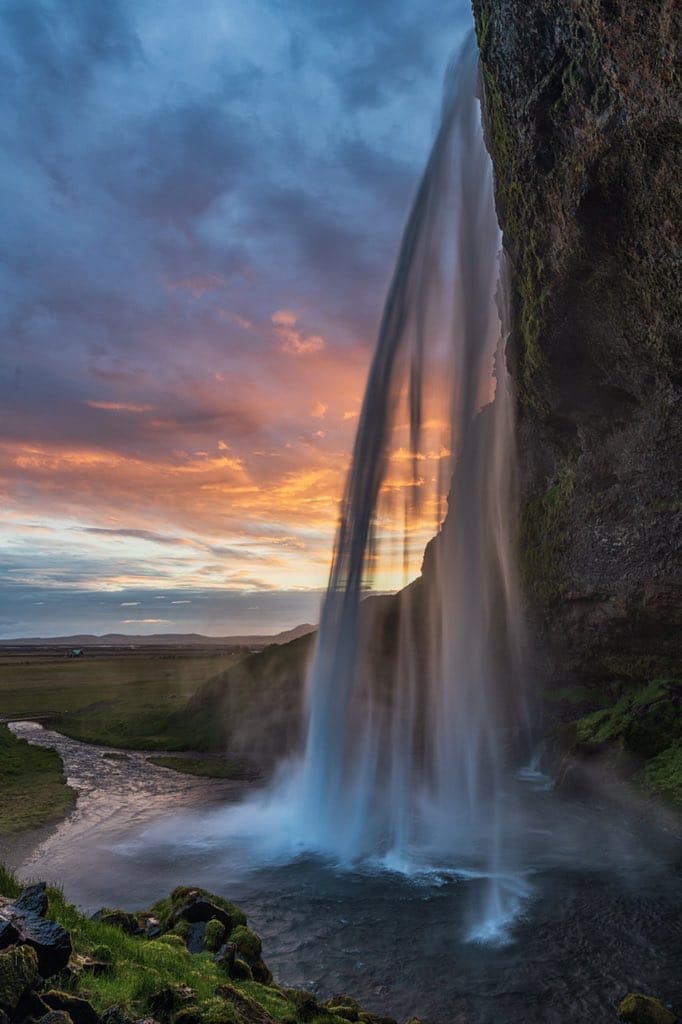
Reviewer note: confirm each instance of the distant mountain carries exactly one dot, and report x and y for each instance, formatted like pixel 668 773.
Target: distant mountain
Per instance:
pixel 159 639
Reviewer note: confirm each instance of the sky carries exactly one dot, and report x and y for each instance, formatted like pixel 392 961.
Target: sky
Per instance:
pixel 201 207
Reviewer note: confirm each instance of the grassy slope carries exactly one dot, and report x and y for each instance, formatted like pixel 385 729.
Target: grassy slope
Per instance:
pixel 141 967
pixel 33 788
pixel 119 700
pixel 255 706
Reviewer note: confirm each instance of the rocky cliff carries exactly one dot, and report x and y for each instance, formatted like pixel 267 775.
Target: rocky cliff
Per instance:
pixel 584 127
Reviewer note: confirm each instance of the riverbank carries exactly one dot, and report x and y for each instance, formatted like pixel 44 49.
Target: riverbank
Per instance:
pixel 189 959
pixel 33 786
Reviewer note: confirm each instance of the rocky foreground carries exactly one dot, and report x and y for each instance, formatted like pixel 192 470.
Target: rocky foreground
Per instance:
pixel 190 959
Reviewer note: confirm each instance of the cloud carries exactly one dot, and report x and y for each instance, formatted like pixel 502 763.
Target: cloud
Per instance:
pixel 118 406
pixel 291 340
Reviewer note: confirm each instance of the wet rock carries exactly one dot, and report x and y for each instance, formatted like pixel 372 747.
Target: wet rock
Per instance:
pixel 33 900
pixel 18 974
pixel 80 1010
pixel 640 1009
pixel 194 937
pixel 51 942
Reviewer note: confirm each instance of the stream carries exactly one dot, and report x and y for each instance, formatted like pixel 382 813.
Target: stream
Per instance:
pixel 601 910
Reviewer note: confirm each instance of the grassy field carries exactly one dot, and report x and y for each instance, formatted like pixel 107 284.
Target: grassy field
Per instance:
pixel 117 697
pixel 33 789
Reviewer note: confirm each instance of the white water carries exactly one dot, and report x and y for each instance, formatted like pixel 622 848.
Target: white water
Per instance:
pixel 416 703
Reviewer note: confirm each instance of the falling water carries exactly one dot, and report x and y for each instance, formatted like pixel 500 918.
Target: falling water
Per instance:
pixel 415 700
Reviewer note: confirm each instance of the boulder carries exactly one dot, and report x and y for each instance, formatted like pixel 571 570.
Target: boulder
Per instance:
pixel 18 974
pixel 79 1010
pixel 168 1000
pixel 51 942
pixel 639 1009
pixel 33 900
pixel 30 1007
pixel 197 905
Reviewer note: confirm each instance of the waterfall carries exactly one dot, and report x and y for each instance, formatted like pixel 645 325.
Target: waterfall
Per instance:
pixel 416 701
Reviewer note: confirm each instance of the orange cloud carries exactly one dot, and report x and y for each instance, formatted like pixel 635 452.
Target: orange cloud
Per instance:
pixel 291 340
pixel 118 406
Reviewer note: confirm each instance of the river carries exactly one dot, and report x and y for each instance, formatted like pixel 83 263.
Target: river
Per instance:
pixel 601 914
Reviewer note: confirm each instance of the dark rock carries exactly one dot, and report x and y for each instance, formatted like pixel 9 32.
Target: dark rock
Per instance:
pixel 114 1015
pixel 8 934
pixel 584 128
pixel 18 974
pixel 194 906
pixel 261 972
pixel 55 1017
pixel 80 1010
pixel 127 922
pixel 30 1007
pixel 225 957
pixel 188 1015
pixel 51 942
pixel 33 900
pixel 194 937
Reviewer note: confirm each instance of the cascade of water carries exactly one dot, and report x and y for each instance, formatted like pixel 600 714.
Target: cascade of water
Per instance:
pixel 415 699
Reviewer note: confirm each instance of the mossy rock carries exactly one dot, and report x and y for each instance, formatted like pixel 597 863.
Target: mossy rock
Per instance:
pixel 116 918
pixel 639 1009
pixel 18 973
pixel 79 1010
pixel 306 1005
pixel 55 1017
pixel 193 904
pixel 241 971
pixel 248 943
pixel 214 935
pixel 173 940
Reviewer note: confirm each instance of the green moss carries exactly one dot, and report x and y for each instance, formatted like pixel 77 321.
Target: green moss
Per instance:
pixel 663 774
pixel 214 935
pixel 247 943
pixel 33 787
pixel 18 972
pixel 640 1009
pixel 544 534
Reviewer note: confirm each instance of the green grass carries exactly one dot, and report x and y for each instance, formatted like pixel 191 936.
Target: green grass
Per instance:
pixel 33 789
pixel 209 767
pixel 124 699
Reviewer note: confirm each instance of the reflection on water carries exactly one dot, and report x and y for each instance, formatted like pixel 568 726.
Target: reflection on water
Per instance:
pixel 602 917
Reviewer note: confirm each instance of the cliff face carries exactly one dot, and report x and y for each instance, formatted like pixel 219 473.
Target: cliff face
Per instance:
pixel 585 131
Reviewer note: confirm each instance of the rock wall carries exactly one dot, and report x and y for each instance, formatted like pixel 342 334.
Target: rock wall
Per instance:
pixel 585 130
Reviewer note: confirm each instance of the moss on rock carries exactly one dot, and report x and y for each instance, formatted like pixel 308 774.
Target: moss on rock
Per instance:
pixel 18 973
pixel 640 1009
